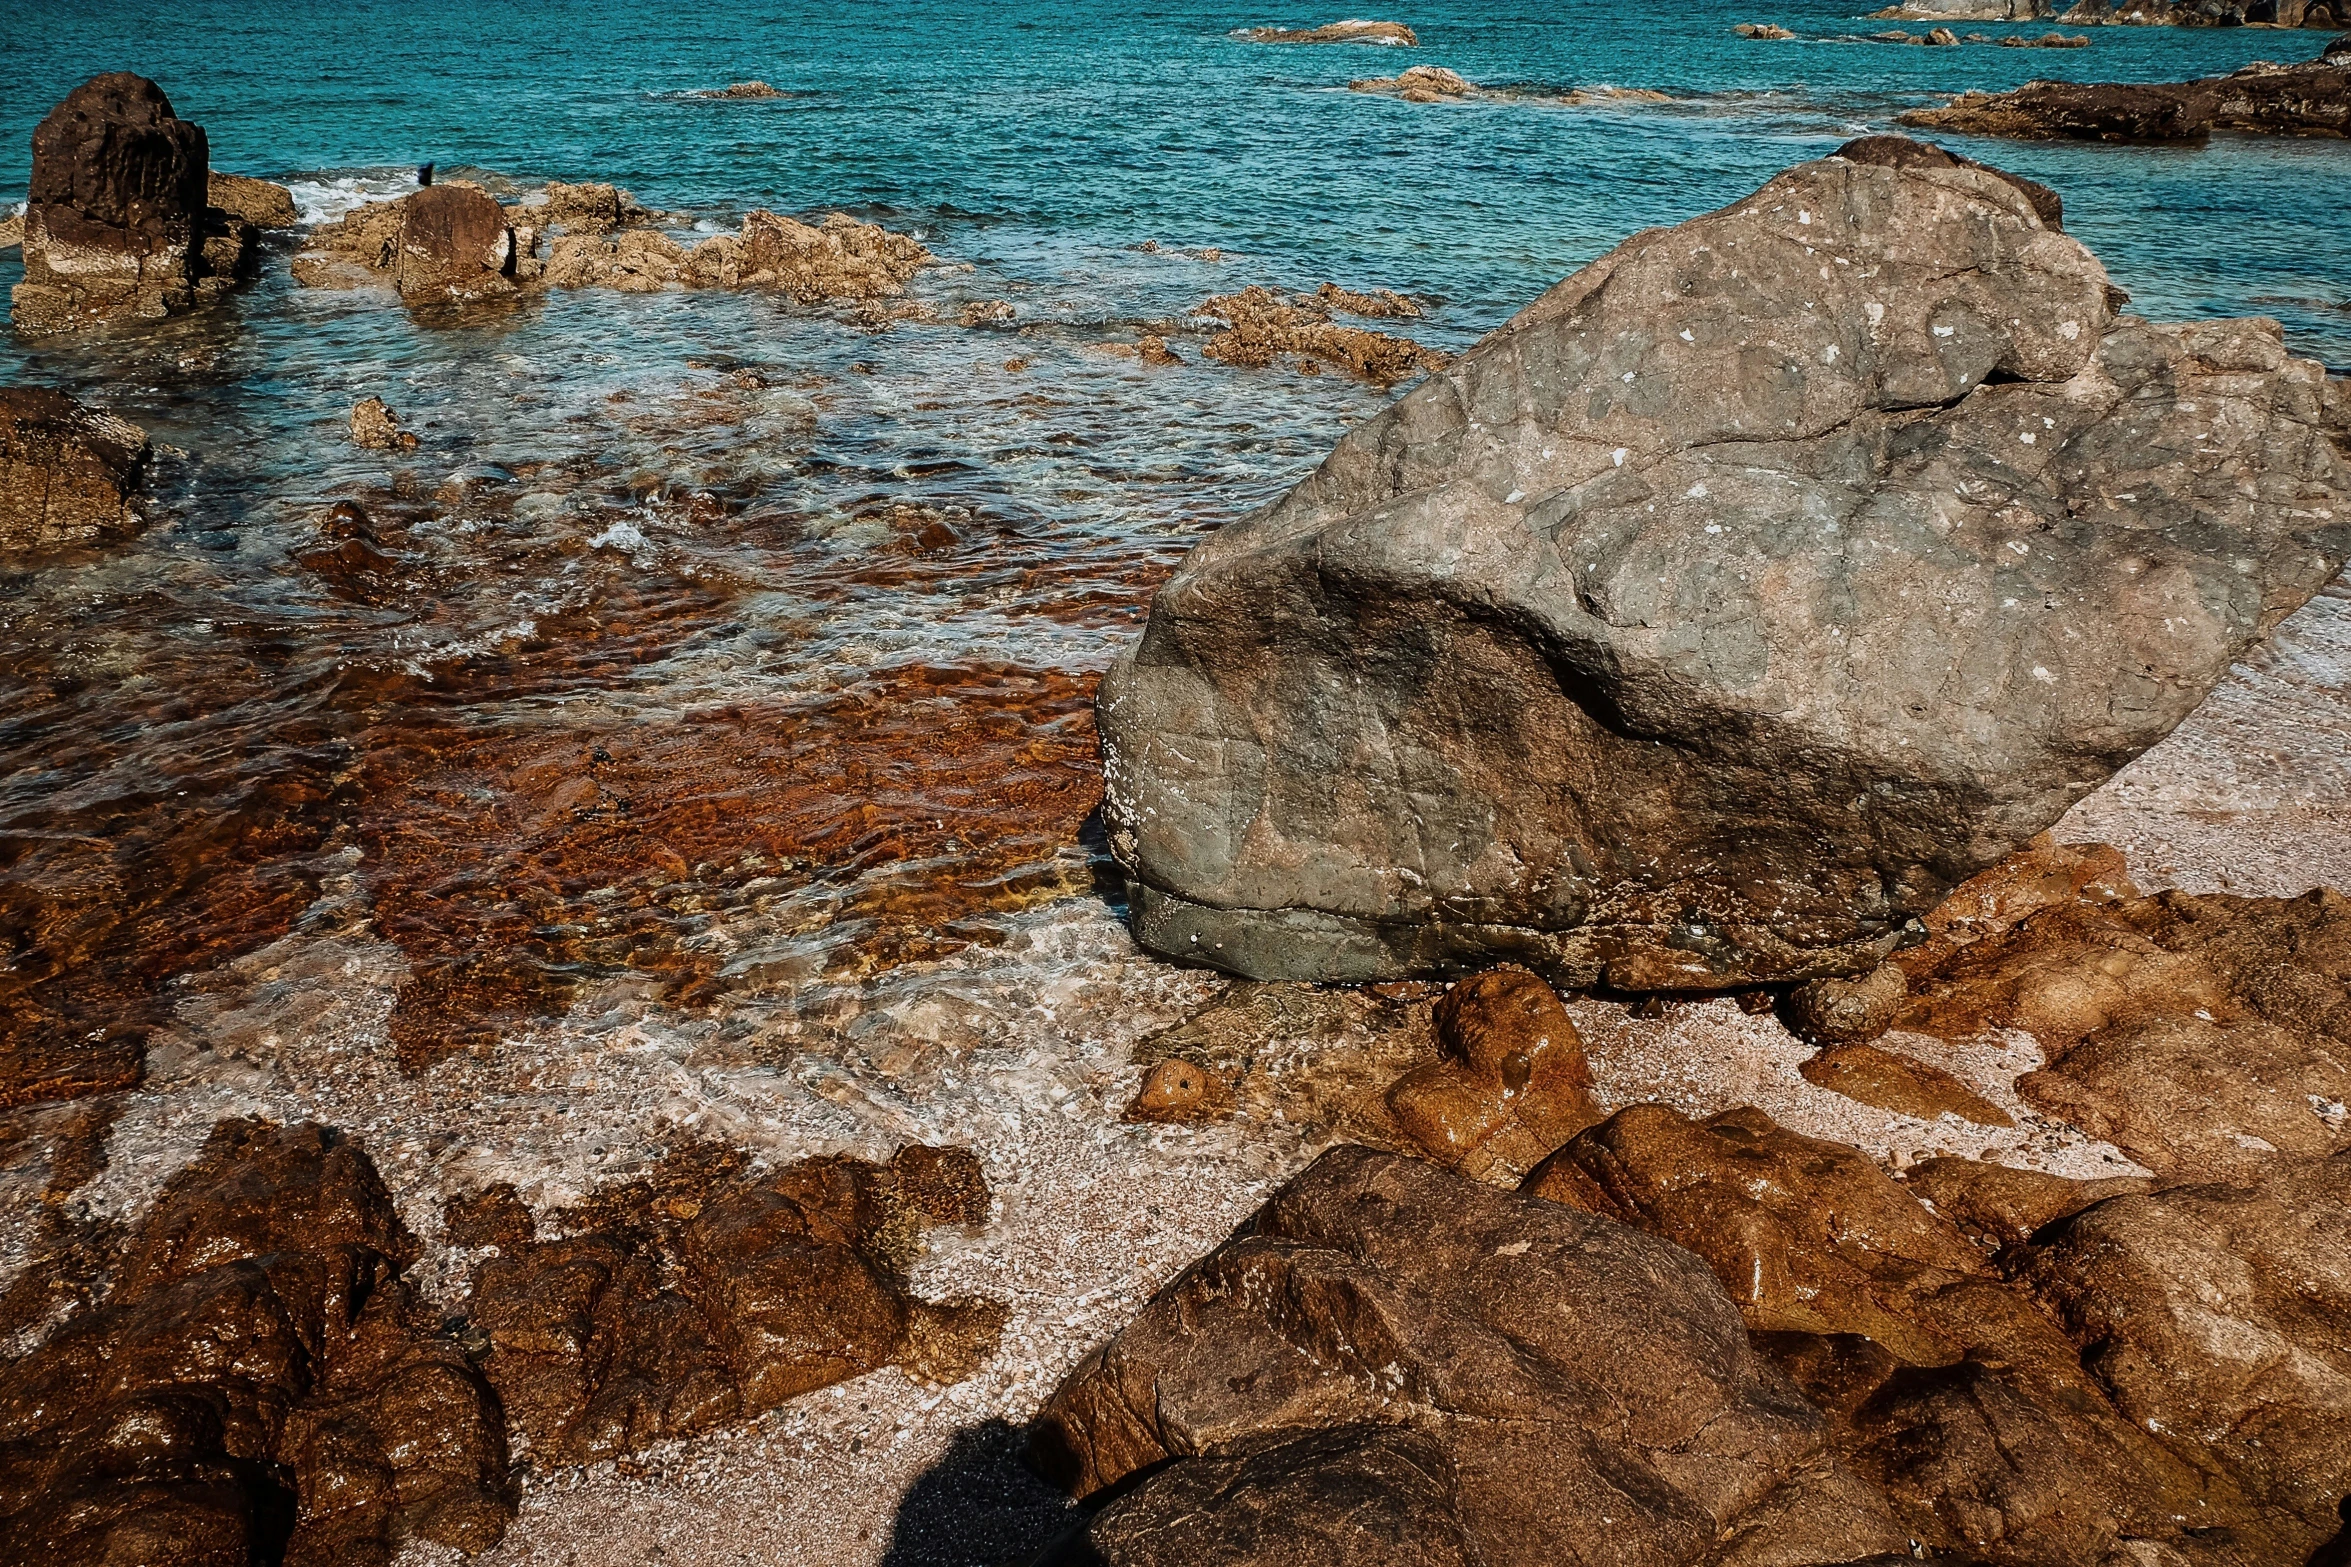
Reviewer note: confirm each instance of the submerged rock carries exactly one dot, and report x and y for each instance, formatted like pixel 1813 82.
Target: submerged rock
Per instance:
pixel 1390 1352
pixel 1421 84
pixel 1722 611
pixel 260 1384
pixel 1261 326
pixel 707 1293
pixel 376 427
pixel 261 203
pixel 69 475
pixel 2312 99
pixel 1352 31
pixel 117 222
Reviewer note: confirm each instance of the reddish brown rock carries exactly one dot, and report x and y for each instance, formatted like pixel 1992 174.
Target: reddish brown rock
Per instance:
pixel 1901 1083
pixel 1998 1204
pixel 1847 1011
pixel 117 224
pixel 69 475
pixel 707 1293
pixel 375 426
pixel 1510 1085
pixel 589 208
pixel 1177 1090
pixel 1391 1352
pixel 447 242
pixel 258 1385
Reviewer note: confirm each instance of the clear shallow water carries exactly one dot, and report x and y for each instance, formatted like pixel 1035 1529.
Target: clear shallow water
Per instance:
pixel 723 645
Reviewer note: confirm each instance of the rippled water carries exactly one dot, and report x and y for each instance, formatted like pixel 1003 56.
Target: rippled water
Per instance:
pixel 726 646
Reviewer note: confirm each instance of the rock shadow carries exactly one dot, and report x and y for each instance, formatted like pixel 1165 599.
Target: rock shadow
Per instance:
pixel 979 1506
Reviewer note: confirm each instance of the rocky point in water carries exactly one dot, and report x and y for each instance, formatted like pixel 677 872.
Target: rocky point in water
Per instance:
pixel 1351 31
pixel 2311 99
pixel 118 225
pixel 1710 620
pixel 2133 13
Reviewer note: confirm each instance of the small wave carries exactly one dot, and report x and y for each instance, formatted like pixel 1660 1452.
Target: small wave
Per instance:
pixel 324 197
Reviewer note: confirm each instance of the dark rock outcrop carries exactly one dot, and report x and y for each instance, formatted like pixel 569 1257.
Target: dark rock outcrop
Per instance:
pixel 2312 99
pixel 1722 611
pixel 260 1384
pixel 707 1293
pixel 1262 326
pixel 69 476
pixel 1388 1352
pixel 448 243
pixel 117 223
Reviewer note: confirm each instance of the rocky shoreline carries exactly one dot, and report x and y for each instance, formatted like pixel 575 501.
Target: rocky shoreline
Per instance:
pixel 2312 99
pixel 1678 1101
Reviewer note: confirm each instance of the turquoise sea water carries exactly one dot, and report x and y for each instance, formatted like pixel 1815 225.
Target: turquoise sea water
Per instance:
pixel 632 511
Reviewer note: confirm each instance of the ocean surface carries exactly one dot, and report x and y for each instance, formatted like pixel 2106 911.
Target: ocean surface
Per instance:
pixel 709 647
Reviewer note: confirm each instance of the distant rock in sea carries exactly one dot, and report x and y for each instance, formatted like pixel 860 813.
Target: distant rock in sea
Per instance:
pixel 1706 623
pixel 2312 99
pixel 1351 31
pixel 117 224
pixel 744 90
pixel 1420 84
pixel 1763 31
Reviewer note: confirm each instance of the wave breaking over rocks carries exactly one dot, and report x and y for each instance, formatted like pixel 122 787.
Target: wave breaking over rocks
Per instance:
pixel 1710 620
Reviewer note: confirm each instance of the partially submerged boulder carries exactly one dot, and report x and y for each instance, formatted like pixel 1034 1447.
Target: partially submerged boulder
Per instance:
pixel 117 224
pixel 446 242
pixel 1355 30
pixel 262 203
pixel 1420 84
pixel 1710 620
pixel 69 475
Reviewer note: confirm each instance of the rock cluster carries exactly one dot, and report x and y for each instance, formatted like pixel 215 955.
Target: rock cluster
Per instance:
pixel 1624 647
pixel 1260 326
pixel 1420 84
pixel 259 1384
pixel 118 225
pixel 1763 31
pixel 708 1293
pixel 1351 31
pixel 2005 1366
pixel 2312 99
pixel 446 242
pixel 69 476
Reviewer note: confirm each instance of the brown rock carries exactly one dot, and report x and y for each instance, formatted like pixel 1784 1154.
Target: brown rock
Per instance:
pixel 12 231
pixel 1847 1011
pixel 454 244
pixel 744 90
pixel 494 1216
pixel 987 312
pixel 259 1367
pixel 589 208
pixel 1900 1083
pixel 69 477
pixel 1420 84
pixel 635 261
pixel 259 202
pixel 837 259
pixel 1767 31
pixel 2005 1205
pixel 706 1293
pixel 1512 1082
pixel 1474 1375
pixel 2309 99
pixel 2202 1036
pixel 1177 1090
pixel 1352 31
pixel 2219 1319
pixel 1262 325
pixel 375 426
pixel 1152 349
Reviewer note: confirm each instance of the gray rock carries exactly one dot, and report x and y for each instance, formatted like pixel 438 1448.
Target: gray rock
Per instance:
pixel 1723 610
pixel 1398 1358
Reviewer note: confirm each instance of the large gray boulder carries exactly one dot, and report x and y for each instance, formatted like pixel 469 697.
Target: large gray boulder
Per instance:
pixel 1712 618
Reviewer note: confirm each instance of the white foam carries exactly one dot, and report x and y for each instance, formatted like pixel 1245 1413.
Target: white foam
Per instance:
pixel 326 197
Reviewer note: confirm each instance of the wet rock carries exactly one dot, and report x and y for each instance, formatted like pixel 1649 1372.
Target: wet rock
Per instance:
pixel 1766 31
pixel 495 1216
pixel 116 218
pixel 708 1293
pixel 1152 349
pixel 744 90
pixel 987 312
pixel 70 476
pixel 1622 719
pixel 259 1385
pixel 1511 1084
pixel 2207 13
pixel 2045 874
pixel 635 261
pixel 2312 99
pixel 2002 1205
pixel 1176 1090
pixel 259 202
pixel 1847 1011
pixel 839 258
pixel 1901 1083
pixel 447 242
pixel 1262 326
pixel 2201 1035
pixel 1352 31
pixel 1490 1377
pixel 2219 1320
pixel 1421 84
pixel 375 426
